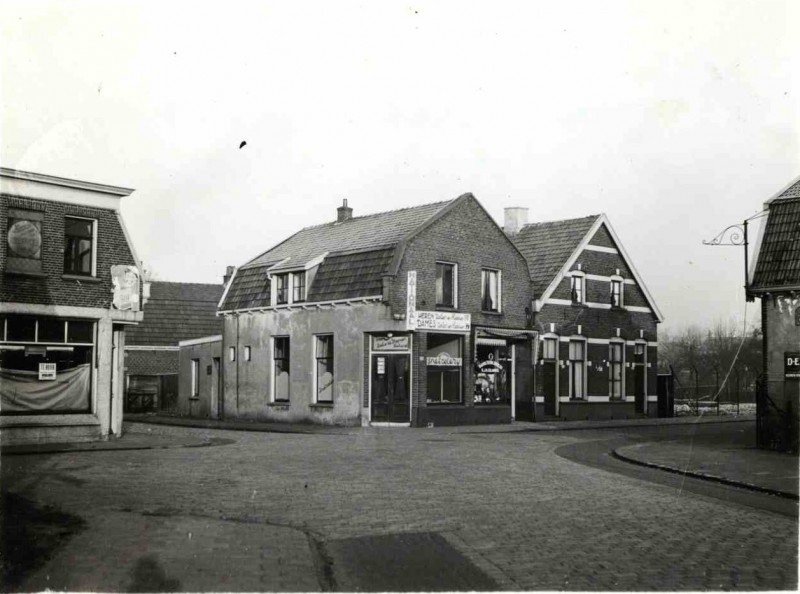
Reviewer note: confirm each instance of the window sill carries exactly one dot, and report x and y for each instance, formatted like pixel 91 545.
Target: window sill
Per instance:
pixel 434 404
pixel 25 273
pixel 443 307
pixel 78 277
pixel 495 404
pixel 492 313
pixel 279 404
pixel 194 397
pixel 321 405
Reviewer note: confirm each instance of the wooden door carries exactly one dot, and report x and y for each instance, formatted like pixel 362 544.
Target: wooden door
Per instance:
pixel 549 373
pixel 391 400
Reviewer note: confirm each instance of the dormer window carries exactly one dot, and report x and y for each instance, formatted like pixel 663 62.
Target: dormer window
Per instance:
pixel 290 287
pixel 577 287
pixel 298 287
pixel 281 289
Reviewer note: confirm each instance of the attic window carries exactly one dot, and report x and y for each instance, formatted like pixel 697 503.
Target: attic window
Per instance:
pixel 577 287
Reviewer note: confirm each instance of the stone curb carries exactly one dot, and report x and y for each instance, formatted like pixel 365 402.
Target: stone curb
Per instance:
pixel 105 446
pixel 706 477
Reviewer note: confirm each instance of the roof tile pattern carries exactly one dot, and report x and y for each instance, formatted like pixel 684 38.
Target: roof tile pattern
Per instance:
pixel 779 257
pixel 359 233
pixel 350 275
pixel 547 246
pixel 250 288
pixel 177 311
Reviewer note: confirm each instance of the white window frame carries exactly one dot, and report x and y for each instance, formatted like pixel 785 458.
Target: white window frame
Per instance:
pixel 195 379
pixel 583 375
pixel 577 278
pixel 94 243
pixel 290 285
pixel 620 343
pixel 621 281
pixel 316 369
pixel 499 289
pixel 247 353
pixel 455 284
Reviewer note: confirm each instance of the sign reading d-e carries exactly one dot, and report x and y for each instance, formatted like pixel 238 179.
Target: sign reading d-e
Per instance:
pixel 791 365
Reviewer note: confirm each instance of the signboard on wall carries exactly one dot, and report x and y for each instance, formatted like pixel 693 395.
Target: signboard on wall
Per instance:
pixel 126 287
pixel 47 371
pixel 411 300
pixel 390 343
pixel 791 365
pixel 443 320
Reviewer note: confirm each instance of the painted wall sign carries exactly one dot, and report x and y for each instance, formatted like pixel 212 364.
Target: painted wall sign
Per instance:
pixel 444 360
pixel 390 343
pixel 47 371
pixel 791 365
pixel 411 300
pixel 126 287
pixel 491 367
pixel 381 365
pixel 443 320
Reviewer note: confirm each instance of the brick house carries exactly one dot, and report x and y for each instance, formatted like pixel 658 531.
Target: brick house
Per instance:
pixel 597 321
pixel 69 287
pixel 174 312
pixel 415 316
pixel 775 280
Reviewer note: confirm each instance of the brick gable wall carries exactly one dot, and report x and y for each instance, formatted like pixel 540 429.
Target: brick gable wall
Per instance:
pixel 112 249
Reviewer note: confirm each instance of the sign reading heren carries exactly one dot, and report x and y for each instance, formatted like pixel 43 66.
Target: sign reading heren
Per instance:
pixel 432 320
pixel 791 365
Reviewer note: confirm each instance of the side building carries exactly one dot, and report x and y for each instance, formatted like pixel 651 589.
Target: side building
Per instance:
pixel 597 321
pixel 69 287
pixel 775 280
pixel 416 316
pixel 173 312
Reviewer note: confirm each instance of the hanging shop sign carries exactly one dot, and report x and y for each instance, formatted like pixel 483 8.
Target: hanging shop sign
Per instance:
pixel 47 371
pixel 490 366
pixel 791 365
pixel 126 287
pixel 444 360
pixel 390 343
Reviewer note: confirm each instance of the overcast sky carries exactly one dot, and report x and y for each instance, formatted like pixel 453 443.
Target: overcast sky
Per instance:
pixel 676 119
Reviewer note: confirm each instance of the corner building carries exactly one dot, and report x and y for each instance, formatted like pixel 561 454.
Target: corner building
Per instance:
pixel 412 317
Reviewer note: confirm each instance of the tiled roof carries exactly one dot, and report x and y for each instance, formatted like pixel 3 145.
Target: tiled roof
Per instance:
pixel 779 255
pixel 359 233
pixel 350 275
pixel 177 311
pixel 250 288
pixel 547 246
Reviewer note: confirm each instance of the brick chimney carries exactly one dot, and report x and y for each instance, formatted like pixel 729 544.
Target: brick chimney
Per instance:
pixel 228 274
pixel 344 212
pixel 515 219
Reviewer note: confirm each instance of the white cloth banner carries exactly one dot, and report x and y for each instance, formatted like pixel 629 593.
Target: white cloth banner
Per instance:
pixel 22 391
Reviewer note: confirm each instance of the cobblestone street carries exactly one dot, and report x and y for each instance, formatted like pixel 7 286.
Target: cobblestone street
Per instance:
pixel 260 513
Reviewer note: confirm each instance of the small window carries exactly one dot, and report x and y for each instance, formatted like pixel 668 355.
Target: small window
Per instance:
pixel 232 353
pixel 615 370
pixel 247 353
pixel 491 290
pixel 195 378
pixel 550 349
pixel 79 246
pixel 280 354
pixel 577 287
pixel 298 287
pixel 577 368
pixel 616 293
pixel 324 369
pixel 446 284
pixel 24 241
pixel 281 289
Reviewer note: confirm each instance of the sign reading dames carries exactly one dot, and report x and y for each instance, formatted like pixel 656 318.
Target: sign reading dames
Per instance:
pixel 431 320
pixel 791 365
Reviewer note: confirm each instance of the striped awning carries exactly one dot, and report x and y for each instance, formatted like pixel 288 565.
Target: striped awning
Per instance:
pixel 502 335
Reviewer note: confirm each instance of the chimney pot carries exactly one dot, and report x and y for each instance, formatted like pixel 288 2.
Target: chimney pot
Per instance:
pixel 344 212
pixel 228 274
pixel 516 218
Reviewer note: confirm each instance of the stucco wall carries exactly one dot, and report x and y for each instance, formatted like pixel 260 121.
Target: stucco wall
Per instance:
pixel 203 405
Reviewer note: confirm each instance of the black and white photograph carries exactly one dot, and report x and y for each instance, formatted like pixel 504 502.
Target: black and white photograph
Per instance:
pixel 346 296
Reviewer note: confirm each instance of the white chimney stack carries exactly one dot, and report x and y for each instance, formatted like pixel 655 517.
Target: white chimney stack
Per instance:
pixel 516 218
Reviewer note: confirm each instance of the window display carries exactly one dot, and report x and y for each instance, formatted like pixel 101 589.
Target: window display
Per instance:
pixel 493 373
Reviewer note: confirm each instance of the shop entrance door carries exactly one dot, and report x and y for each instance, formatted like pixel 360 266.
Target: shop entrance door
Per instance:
pixel 391 401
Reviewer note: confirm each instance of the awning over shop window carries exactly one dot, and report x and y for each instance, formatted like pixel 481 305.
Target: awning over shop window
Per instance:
pixel 503 335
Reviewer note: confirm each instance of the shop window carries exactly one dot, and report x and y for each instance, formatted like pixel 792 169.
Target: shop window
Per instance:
pixel 24 241
pixel 615 369
pixel 80 331
pixel 79 244
pixel 444 363
pixel 616 293
pixel 446 284
pixel 281 289
pixel 195 378
pixel 46 369
pixel 577 369
pixel 577 287
pixel 493 372
pixel 280 368
pixel 323 353
pixel 298 287
pixel 550 349
pixel 491 290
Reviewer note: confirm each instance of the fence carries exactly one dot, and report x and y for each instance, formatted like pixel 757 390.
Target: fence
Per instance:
pixel 709 399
